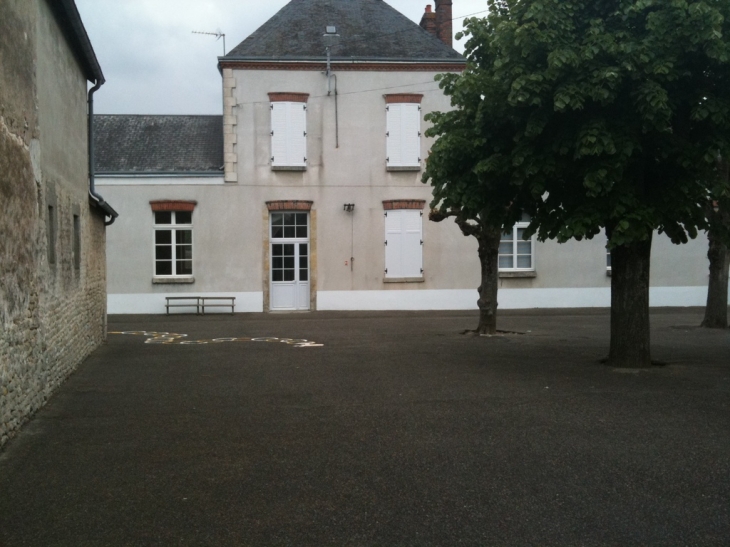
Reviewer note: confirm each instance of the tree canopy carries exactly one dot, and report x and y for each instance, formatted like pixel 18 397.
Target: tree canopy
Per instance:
pixel 615 110
pixel 590 115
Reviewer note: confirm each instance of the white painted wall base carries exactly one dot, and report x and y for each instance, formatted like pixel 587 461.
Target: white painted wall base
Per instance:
pixel 154 303
pixel 466 299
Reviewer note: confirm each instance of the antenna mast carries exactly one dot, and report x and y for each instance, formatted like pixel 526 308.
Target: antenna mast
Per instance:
pixel 218 35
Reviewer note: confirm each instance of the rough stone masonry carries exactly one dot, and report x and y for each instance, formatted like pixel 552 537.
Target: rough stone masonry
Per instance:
pixel 52 243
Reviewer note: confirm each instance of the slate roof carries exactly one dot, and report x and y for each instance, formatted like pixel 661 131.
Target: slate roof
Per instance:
pixel 368 29
pixel 158 144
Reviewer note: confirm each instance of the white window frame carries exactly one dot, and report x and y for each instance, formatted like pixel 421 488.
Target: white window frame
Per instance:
pixel 395 242
pixel 288 151
pixel 522 224
pixel 173 228
pixel 403 137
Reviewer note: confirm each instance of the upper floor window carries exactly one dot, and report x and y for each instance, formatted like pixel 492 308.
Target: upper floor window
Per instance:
pixel 288 131
pixel 403 132
pixel 516 252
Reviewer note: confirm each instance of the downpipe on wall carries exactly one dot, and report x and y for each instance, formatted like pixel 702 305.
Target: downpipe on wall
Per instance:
pixel 329 75
pixel 96 197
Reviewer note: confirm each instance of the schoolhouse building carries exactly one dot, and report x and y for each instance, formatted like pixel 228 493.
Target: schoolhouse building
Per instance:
pixel 306 193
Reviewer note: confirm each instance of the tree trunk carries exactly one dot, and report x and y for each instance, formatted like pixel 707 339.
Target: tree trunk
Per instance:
pixel 716 309
pixel 630 305
pixel 489 260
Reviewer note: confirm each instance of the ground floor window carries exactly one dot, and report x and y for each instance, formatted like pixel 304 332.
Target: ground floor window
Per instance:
pixel 516 252
pixel 173 243
pixel 403 243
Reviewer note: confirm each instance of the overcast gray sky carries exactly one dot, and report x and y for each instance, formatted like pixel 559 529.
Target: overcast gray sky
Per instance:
pixel 154 64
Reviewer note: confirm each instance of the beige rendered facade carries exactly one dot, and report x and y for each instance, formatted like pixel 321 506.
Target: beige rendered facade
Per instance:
pixel 232 222
pixel 315 200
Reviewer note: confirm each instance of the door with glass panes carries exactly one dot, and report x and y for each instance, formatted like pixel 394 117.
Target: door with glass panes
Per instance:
pixel 289 254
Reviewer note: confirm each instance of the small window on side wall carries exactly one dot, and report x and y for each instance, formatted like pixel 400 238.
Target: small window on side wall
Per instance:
pixel 51 234
pixel 77 242
pixel 515 252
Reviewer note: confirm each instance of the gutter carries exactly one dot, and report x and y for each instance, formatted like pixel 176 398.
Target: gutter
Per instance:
pixel 96 197
pixel 160 174
pixel 67 16
pixel 347 60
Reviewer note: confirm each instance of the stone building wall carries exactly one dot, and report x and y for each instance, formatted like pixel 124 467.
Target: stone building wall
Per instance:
pixel 52 264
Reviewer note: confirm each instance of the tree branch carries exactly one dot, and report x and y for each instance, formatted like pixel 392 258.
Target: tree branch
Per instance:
pixel 468 229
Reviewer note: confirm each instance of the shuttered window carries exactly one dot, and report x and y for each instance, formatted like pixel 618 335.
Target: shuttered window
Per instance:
pixel 403 135
pixel 403 244
pixel 289 134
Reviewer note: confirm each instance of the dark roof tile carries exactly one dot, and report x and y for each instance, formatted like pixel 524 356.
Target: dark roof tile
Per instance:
pixel 368 29
pixel 158 144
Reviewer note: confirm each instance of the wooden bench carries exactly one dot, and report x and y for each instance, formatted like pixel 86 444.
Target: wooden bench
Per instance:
pixel 230 301
pixel 199 303
pixel 182 302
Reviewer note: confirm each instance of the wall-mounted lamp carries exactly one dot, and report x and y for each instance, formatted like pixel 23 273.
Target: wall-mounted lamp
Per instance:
pixel 349 208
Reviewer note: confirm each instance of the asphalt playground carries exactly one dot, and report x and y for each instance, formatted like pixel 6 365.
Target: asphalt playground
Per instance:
pixel 378 429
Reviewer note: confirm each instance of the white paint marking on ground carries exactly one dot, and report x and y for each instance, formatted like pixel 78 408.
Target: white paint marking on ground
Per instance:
pixel 170 338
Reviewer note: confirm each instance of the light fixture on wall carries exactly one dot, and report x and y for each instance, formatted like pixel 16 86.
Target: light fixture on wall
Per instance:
pixel 349 208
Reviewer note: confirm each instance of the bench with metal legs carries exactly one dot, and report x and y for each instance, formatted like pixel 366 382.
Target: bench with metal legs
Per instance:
pixel 200 303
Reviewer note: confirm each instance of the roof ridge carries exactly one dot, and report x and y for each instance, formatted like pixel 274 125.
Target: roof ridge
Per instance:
pixel 164 115
pixel 376 30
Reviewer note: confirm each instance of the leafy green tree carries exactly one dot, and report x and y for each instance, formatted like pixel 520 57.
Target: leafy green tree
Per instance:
pixel 471 183
pixel 718 234
pixel 618 110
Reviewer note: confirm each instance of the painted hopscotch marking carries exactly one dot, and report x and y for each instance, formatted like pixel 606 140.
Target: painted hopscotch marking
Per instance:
pixel 171 338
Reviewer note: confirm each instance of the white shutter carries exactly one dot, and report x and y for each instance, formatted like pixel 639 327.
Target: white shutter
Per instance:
pixel 411 129
pixel 278 134
pixel 403 250
pixel 393 244
pixel 297 134
pixel 394 135
pixel 288 134
pixel 412 259
pixel 403 135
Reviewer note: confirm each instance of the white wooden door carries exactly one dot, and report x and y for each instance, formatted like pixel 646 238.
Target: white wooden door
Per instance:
pixel 289 267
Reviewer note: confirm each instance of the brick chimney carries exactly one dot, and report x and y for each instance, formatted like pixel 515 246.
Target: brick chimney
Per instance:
pixel 443 21
pixel 428 21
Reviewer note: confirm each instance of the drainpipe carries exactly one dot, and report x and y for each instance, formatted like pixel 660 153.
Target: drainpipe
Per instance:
pixel 329 93
pixel 98 199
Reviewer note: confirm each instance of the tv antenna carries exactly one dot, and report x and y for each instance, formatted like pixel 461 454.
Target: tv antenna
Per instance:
pixel 218 35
